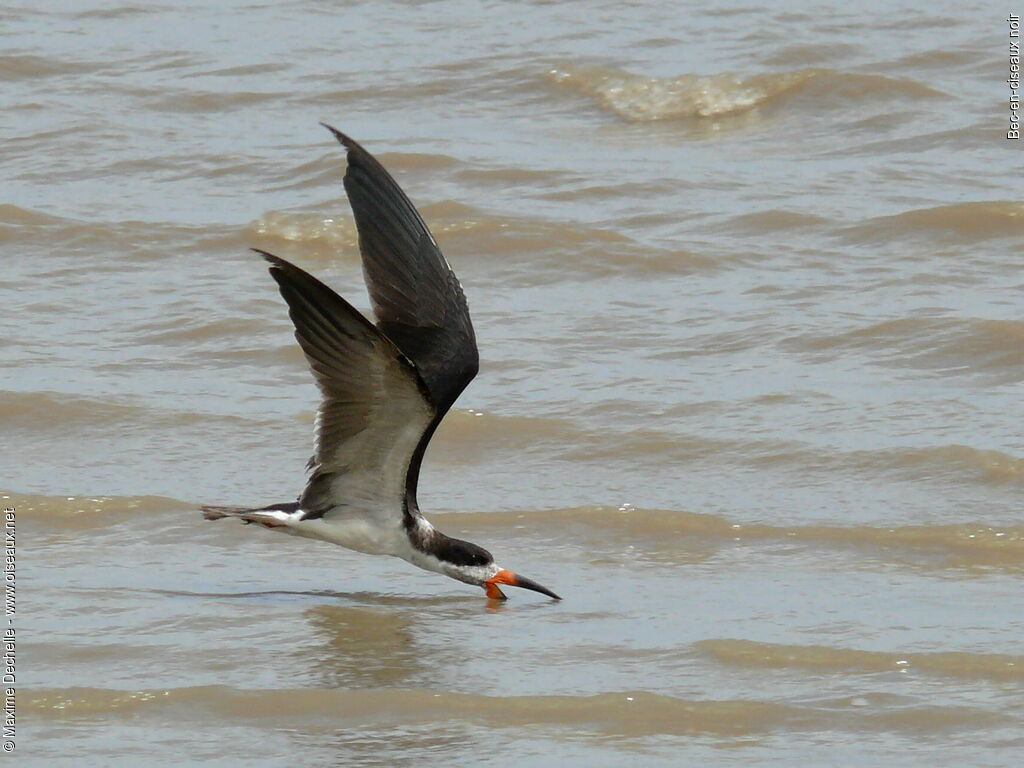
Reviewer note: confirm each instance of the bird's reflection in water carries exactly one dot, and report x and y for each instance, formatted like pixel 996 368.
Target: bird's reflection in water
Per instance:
pixel 363 648
pixel 370 648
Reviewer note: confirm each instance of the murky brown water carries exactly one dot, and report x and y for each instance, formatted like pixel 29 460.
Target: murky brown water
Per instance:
pixel 748 294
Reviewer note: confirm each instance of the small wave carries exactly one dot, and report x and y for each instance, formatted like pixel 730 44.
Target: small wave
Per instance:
pixel 812 53
pixel 192 330
pixel 320 238
pixel 178 101
pixel 262 68
pixel 636 98
pixel 625 714
pixel 25 67
pixel 470 435
pixel 988 466
pixel 504 177
pixel 398 163
pixel 14 215
pixel 119 12
pixel 32 411
pixel 328 169
pixel 963 222
pixel 631 713
pixel 948 344
pixel 771 221
pixel 984 666
pixel 81 512
pixel 523 251
pixel 950 140
pixel 46 414
pixel 130 239
pixel 651 533
pixel 530 252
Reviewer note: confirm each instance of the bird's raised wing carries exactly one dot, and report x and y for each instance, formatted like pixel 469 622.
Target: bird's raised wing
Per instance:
pixel 375 408
pixel 418 301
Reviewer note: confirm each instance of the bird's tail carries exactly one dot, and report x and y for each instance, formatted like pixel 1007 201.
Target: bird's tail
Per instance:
pixel 216 513
pixel 250 514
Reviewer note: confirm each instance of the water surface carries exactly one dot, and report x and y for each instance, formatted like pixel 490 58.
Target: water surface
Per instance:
pixel 747 290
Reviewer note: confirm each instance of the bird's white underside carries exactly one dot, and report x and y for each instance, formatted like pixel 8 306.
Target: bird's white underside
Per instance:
pixel 362 531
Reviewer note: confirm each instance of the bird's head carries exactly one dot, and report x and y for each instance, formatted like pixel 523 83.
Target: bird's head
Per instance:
pixel 502 576
pixel 471 564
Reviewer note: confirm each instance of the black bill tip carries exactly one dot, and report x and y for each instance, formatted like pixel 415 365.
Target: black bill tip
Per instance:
pixel 522 581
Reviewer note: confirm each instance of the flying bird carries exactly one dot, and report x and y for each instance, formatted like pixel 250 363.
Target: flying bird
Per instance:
pixel 385 389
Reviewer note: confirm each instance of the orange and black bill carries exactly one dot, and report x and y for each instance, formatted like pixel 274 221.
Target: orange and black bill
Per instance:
pixel 512 580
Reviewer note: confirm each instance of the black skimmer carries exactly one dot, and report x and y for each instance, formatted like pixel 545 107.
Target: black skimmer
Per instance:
pixel 385 388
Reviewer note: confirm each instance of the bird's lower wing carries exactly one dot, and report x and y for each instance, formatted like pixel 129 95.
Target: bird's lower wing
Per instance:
pixel 375 407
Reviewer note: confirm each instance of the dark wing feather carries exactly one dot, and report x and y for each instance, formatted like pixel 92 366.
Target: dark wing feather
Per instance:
pixel 375 408
pixel 418 301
